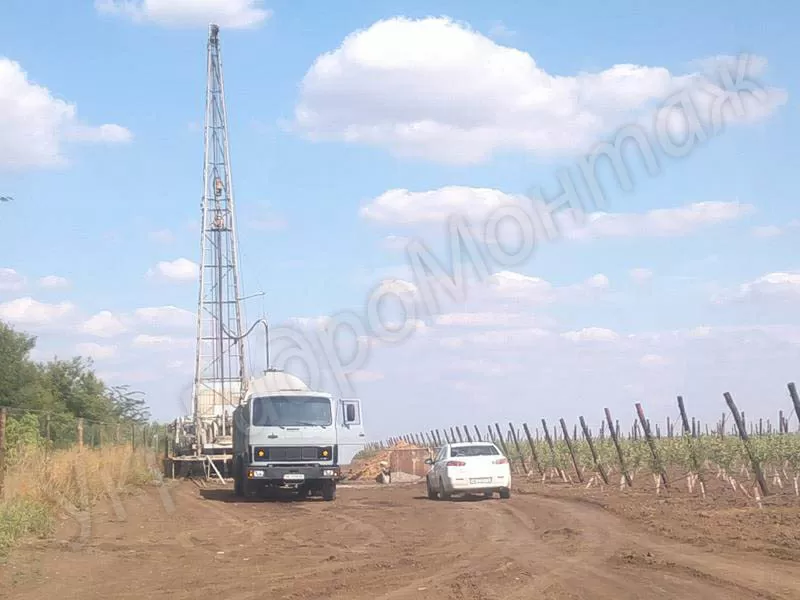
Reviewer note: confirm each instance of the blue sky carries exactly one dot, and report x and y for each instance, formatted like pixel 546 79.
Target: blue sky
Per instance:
pixel 687 286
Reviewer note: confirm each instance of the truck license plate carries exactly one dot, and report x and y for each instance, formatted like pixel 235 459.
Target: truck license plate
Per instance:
pixel 294 477
pixel 481 480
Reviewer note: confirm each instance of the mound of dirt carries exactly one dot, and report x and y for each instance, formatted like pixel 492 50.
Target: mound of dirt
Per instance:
pixel 371 468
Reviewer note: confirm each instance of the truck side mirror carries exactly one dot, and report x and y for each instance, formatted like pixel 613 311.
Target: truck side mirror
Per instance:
pixel 350 413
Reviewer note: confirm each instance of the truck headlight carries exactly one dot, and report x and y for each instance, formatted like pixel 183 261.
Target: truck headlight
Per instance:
pixel 328 472
pixel 255 473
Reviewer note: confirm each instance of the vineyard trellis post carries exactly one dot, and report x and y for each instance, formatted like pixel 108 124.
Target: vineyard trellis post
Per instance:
pixel 503 444
pixel 519 450
pixel 549 441
pixel 533 449
pixel 649 438
pixel 571 450
pixel 620 455
pixel 587 434
pixel 689 440
pixel 762 483
pixel 795 401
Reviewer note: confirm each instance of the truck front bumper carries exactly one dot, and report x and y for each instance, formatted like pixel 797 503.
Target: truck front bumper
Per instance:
pixel 292 475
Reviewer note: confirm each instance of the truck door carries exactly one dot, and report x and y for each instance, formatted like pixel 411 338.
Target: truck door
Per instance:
pixel 351 430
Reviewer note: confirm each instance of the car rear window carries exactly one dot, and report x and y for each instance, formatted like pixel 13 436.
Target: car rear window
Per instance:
pixel 473 451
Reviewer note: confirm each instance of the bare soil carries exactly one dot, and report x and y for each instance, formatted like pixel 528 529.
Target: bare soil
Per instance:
pixel 186 541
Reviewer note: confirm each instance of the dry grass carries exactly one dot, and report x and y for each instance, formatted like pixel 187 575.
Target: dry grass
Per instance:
pixel 38 484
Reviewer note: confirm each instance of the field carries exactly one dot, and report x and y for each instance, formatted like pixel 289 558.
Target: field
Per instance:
pixel 678 516
pixel 391 542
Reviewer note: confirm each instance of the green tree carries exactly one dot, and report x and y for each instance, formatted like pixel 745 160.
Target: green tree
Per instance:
pixel 128 405
pixel 20 385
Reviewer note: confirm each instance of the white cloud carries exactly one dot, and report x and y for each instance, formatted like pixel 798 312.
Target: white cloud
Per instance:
pixel 395 287
pixel 180 269
pixel 96 351
pixel 10 280
pixel 161 342
pixel 29 312
pixel 490 319
pixel 769 231
pixel 641 275
pixel 591 334
pixel 104 324
pixel 766 231
pixel 437 89
pixel 53 282
pixel 404 207
pixel 772 286
pixel 229 14
pixel 34 124
pixel 653 360
pixel 662 222
pixel 166 316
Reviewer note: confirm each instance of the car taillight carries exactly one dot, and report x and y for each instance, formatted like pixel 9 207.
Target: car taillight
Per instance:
pixel 455 463
pixel 501 461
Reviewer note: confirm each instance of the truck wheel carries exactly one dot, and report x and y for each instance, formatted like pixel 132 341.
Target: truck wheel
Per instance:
pixel 505 493
pixel 238 490
pixel 329 491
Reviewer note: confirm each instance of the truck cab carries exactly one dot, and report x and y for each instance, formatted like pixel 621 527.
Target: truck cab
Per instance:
pixel 286 435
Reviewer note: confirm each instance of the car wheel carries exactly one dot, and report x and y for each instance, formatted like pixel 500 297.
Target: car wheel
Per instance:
pixel 432 495
pixel 505 493
pixel 443 495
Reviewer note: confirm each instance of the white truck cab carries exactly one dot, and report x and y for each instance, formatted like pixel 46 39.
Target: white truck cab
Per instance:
pixel 286 435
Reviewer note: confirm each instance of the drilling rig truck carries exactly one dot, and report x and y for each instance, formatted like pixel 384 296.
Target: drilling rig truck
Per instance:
pixel 288 436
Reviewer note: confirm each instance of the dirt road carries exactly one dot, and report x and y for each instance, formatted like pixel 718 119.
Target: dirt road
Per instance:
pixel 183 541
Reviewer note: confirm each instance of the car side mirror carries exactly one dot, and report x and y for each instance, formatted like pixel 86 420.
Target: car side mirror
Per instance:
pixel 428 461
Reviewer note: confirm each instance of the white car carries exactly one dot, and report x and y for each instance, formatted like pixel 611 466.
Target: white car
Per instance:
pixel 468 468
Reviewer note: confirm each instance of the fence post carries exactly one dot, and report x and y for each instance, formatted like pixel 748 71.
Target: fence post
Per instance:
pixel 80 433
pixel 596 460
pixel 649 438
pixel 519 450
pixel 795 399
pixel 3 416
pixel 549 441
pixel 687 434
pixel 615 438
pixel 762 483
pixel 571 450
pixel 533 449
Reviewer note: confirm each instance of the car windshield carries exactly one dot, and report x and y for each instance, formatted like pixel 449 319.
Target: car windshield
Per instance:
pixel 282 411
pixel 486 450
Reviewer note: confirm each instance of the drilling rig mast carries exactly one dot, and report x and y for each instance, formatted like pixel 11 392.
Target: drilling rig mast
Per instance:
pixel 219 377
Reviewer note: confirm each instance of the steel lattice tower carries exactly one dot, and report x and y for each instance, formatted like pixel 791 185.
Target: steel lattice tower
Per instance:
pixel 219 364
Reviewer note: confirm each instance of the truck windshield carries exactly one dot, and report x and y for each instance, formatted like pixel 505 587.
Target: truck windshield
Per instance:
pixel 289 411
